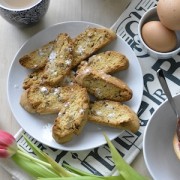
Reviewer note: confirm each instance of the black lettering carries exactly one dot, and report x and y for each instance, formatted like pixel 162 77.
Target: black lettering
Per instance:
pixel 172 69
pixel 127 140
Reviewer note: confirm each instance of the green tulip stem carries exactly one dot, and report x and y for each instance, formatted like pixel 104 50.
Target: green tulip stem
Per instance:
pixel 33 159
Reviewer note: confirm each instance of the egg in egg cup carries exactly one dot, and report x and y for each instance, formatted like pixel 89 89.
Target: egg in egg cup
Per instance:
pixel 157 40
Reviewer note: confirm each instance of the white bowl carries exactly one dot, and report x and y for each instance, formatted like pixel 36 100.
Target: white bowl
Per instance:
pixel 159 154
pixel 150 15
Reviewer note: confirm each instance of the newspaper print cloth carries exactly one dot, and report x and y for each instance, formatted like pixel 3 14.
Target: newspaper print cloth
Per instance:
pixel 98 160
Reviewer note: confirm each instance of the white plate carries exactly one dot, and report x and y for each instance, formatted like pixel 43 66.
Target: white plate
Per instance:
pixel 159 154
pixel 39 126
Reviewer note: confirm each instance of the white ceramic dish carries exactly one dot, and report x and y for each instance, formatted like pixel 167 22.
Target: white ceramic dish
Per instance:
pixel 150 15
pixel 39 126
pixel 159 154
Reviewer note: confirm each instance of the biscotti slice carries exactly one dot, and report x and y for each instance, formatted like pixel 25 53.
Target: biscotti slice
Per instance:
pixel 43 99
pixel 60 60
pixel 113 114
pixel 38 58
pixel 33 78
pixel 108 62
pixel 68 79
pixel 24 102
pixel 73 117
pixel 104 86
pixel 89 41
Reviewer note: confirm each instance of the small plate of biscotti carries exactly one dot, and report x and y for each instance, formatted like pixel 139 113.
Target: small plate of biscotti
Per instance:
pixel 73 81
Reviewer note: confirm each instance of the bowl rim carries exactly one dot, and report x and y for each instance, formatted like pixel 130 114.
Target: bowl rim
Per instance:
pixel 145 134
pixel 159 54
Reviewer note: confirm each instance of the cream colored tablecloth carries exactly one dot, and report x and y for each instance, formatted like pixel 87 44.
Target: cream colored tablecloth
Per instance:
pixel 104 12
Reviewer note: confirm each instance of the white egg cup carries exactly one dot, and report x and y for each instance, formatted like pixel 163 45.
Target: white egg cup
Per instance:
pixel 151 15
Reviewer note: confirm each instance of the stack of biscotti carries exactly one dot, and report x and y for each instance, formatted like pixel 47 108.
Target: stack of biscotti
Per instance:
pixel 66 72
pixel 73 116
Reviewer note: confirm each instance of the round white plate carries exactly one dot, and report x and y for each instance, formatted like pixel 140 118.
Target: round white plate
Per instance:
pixel 159 154
pixel 38 126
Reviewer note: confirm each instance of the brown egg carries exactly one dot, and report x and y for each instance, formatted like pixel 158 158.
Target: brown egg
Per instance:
pixel 169 13
pixel 158 37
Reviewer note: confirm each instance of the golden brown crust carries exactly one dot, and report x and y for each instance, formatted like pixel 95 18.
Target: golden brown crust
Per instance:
pixel 104 86
pixel 113 114
pixel 89 41
pixel 73 117
pixel 25 103
pixel 38 58
pixel 108 62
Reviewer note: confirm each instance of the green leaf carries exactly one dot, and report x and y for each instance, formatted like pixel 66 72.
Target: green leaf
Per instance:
pixel 43 156
pixel 35 149
pixel 78 171
pixel 58 167
pixel 122 166
pixel 71 178
pixel 34 169
pixel 86 178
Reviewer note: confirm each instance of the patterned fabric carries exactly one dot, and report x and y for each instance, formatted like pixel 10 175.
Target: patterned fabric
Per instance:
pixel 98 160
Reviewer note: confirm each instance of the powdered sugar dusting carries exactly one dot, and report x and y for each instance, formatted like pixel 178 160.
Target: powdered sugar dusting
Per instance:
pixel 52 56
pixel 47 132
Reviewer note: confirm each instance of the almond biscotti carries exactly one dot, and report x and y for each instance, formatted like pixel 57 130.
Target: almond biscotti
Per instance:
pixel 89 41
pixel 104 86
pixel 43 99
pixel 113 114
pixel 38 58
pixel 36 78
pixel 73 117
pixel 60 60
pixel 108 62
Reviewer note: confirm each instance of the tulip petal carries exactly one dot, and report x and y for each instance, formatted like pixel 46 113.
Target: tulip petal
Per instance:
pixel 6 139
pixel 8 144
pixel 4 153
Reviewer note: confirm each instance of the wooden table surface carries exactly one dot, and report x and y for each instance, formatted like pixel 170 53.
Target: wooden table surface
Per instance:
pixel 104 12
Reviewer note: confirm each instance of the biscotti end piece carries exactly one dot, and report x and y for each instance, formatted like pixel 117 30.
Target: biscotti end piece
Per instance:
pixel 108 62
pixel 73 117
pixel 104 86
pixel 25 103
pixel 89 41
pixel 60 60
pixel 38 58
pixel 113 114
